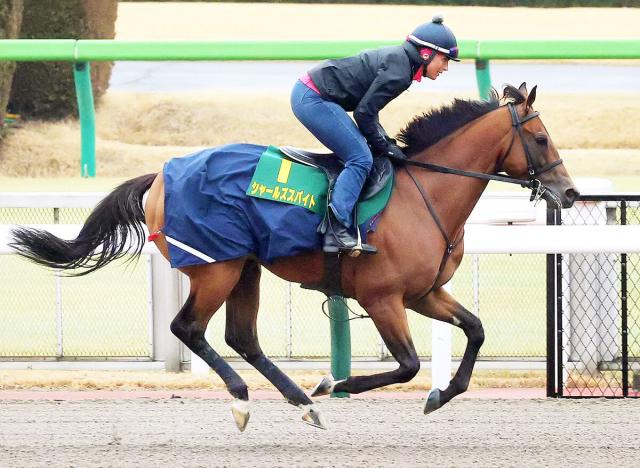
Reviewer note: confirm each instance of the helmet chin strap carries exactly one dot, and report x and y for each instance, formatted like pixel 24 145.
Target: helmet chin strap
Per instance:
pixel 428 60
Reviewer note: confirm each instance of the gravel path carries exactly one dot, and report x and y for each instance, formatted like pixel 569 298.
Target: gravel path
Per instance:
pixel 362 432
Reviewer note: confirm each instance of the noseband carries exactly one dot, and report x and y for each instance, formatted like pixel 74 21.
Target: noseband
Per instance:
pixel 537 189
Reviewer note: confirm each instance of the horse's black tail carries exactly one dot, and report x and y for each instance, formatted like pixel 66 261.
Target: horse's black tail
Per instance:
pixel 114 226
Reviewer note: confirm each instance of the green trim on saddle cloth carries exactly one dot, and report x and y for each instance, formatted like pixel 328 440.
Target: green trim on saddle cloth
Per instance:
pixel 279 179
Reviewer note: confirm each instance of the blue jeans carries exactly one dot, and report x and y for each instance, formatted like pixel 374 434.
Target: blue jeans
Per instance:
pixel 331 124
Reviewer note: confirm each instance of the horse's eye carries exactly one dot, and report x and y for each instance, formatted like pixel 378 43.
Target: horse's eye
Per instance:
pixel 541 138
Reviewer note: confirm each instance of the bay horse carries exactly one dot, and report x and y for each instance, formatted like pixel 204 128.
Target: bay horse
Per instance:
pixel 419 238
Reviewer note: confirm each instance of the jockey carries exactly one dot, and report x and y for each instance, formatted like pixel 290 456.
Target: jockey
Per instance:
pixel 364 84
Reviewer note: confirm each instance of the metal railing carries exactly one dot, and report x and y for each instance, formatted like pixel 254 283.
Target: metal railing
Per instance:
pixel 594 306
pixel 287 313
pixel 82 52
pixel 67 318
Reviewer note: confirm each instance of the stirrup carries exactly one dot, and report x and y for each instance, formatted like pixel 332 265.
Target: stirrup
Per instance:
pixel 338 239
pixel 335 241
pixel 360 247
pixel 354 252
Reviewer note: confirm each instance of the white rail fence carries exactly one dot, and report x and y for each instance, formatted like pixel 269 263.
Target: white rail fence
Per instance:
pixel 501 223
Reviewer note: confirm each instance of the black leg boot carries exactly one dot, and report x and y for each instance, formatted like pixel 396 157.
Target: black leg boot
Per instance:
pixel 339 238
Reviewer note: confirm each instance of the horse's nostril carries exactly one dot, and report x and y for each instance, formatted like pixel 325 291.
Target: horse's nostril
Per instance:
pixel 572 194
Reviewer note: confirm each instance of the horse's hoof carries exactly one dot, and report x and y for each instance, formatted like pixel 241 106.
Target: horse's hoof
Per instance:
pixel 240 411
pixel 313 417
pixel 325 387
pixel 433 401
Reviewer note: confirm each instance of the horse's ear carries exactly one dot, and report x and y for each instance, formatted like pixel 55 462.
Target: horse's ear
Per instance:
pixel 514 95
pixel 531 97
pixel 494 96
pixel 523 88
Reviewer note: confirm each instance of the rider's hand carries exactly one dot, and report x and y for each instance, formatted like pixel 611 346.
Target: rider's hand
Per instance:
pixel 394 152
pixel 390 141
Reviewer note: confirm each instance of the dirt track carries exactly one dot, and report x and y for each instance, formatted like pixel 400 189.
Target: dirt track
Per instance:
pixel 362 432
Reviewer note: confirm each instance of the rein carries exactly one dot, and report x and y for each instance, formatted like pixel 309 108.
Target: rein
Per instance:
pixel 533 183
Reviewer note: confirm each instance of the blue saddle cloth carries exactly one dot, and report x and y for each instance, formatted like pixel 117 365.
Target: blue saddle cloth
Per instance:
pixel 206 209
pixel 209 217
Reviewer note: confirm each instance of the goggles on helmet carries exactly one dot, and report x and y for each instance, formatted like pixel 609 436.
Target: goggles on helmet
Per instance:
pixel 451 53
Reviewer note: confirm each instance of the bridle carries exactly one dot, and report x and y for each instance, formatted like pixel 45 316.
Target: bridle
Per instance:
pixel 533 183
pixel 537 189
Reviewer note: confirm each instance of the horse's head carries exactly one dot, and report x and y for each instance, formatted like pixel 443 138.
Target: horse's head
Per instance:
pixel 532 155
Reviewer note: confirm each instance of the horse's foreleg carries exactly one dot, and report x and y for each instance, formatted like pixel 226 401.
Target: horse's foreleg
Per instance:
pixel 390 318
pixel 210 286
pixel 439 305
pixel 242 335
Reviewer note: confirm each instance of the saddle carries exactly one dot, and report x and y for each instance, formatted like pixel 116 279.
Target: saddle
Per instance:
pixel 381 170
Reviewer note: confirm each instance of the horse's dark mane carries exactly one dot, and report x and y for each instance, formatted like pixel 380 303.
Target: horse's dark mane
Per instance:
pixel 426 129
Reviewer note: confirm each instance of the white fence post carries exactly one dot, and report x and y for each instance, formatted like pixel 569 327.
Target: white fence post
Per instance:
pixel 166 304
pixel 441 351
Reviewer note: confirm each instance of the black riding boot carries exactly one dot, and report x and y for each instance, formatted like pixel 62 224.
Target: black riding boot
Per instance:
pixel 338 237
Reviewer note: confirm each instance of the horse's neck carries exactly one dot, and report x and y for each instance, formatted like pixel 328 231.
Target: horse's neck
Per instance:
pixel 475 147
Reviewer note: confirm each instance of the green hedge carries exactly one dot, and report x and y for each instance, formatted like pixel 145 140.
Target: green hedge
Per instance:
pixel 46 90
pixel 10 21
pixel 498 3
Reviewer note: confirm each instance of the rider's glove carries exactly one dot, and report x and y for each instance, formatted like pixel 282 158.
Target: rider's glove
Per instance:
pixel 393 151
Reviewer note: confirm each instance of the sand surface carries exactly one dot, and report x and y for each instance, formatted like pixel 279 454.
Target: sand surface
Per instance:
pixel 362 432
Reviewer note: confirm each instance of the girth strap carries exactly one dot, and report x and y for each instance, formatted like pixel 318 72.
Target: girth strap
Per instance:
pixel 331 282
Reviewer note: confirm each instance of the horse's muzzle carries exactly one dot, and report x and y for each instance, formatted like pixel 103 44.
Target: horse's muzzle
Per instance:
pixel 570 196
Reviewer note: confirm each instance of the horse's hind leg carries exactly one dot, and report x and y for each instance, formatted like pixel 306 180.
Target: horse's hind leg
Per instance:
pixel 242 335
pixel 210 286
pixel 439 305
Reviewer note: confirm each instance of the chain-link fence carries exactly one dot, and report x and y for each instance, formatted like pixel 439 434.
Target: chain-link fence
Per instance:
pixel 102 316
pixel 506 291
pixel 598 313
pixel 48 316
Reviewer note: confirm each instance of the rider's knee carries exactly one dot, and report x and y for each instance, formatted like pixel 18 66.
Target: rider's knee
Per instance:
pixel 365 160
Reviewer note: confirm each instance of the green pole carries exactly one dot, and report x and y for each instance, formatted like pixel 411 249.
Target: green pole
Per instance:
pixel 483 78
pixel 340 341
pixel 86 111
